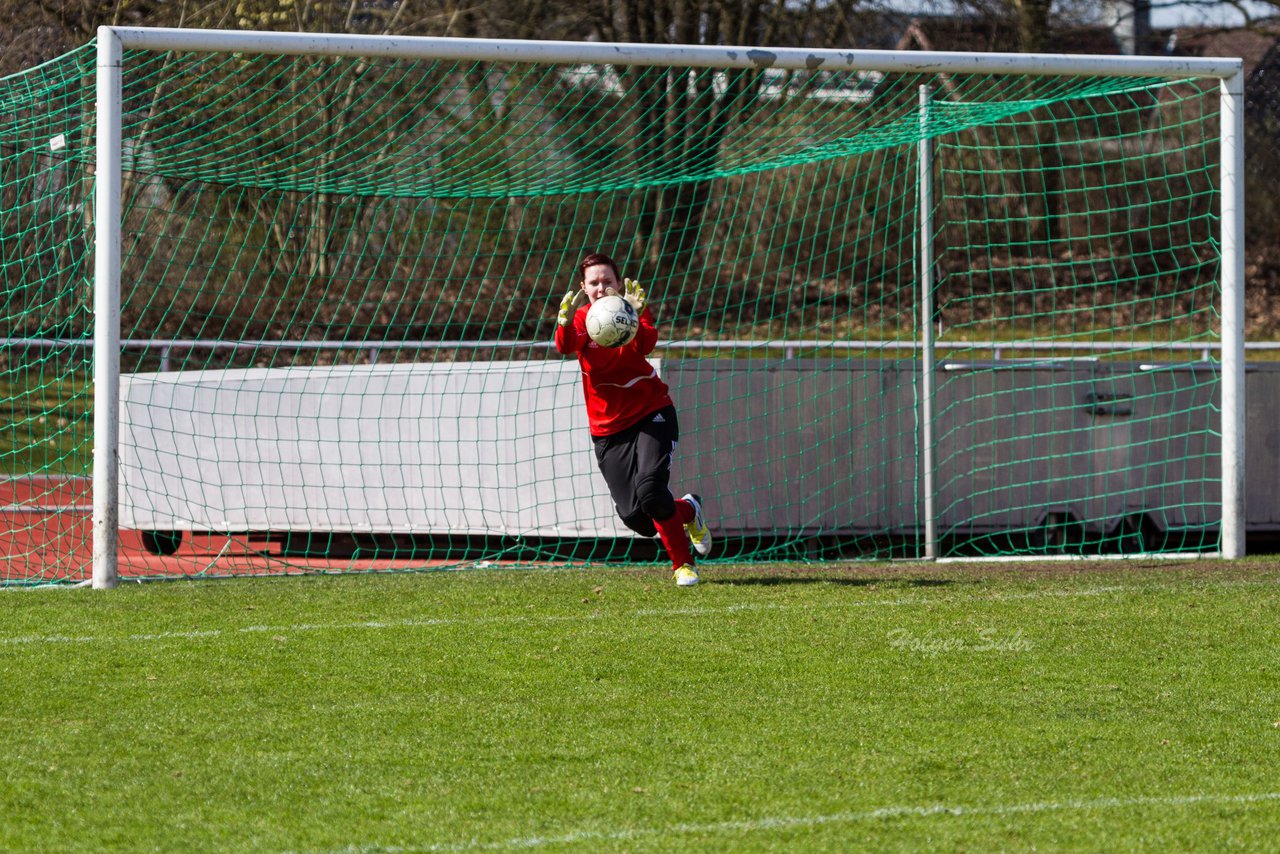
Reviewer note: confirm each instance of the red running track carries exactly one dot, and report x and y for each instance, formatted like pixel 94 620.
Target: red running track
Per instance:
pixel 46 537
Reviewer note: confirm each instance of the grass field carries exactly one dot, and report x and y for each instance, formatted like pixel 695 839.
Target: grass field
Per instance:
pixel 45 424
pixel 1116 706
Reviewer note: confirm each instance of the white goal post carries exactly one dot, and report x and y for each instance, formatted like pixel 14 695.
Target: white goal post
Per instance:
pixel 113 41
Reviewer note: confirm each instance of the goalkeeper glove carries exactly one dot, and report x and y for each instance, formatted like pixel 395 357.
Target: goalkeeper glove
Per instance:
pixel 569 305
pixel 634 294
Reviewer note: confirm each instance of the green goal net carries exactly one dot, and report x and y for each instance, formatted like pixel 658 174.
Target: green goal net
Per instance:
pixel 340 274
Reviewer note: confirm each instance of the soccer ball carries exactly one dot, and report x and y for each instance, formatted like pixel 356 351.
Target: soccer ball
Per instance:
pixel 612 321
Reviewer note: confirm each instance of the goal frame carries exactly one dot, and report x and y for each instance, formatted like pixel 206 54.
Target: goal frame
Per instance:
pixel 108 177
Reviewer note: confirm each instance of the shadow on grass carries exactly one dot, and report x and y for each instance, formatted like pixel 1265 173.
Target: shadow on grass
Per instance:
pixel 844 581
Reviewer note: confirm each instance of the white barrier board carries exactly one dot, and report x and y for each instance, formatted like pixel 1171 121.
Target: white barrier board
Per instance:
pixel 467 448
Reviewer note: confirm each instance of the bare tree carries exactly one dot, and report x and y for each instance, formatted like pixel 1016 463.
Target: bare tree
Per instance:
pixel 678 120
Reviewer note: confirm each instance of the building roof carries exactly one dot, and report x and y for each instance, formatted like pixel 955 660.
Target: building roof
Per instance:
pixel 1250 45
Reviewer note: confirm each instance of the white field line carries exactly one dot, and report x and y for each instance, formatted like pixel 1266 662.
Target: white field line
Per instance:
pixel 645 613
pixel 767 823
pixel 432 622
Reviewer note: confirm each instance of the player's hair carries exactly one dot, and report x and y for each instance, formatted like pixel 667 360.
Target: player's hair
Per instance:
pixel 593 259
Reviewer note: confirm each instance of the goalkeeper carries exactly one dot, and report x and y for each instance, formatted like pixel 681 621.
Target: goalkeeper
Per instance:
pixel 632 419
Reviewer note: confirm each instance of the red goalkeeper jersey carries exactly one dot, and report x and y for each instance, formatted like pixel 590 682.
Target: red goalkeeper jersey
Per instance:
pixel 620 385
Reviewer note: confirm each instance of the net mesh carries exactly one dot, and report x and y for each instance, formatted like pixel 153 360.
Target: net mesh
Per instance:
pixel 340 279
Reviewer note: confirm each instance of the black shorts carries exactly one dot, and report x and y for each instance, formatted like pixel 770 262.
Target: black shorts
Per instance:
pixel 636 465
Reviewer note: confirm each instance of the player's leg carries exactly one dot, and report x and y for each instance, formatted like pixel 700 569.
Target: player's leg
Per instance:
pixel 688 511
pixel 615 456
pixel 654 445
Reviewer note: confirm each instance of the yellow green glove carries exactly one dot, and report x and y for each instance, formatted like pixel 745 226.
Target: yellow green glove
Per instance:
pixel 634 294
pixel 569 305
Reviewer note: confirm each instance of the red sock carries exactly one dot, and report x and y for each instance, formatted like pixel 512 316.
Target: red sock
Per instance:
pixel 671 532
pixel 684 511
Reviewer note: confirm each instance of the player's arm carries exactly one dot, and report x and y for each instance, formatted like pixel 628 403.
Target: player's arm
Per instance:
pixel 647 335
pixel 569 338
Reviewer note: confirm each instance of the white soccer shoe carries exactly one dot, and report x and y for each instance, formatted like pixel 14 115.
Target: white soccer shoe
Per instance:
pixel 699 533
pixel 686 576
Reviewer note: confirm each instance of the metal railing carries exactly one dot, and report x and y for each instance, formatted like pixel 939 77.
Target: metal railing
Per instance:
pixel 788 347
